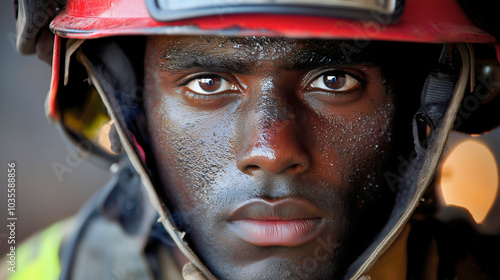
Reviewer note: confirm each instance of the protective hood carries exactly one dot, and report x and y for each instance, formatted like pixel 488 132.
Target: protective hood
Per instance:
pixel 111 73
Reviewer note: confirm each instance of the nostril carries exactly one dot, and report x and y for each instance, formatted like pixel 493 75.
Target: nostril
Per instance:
pixel 289 159
pixel 251 168
pixel 291 168
pixel 295 168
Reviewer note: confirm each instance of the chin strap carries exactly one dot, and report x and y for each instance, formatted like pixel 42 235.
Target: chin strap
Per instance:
pixel 435 98
pixel 191 272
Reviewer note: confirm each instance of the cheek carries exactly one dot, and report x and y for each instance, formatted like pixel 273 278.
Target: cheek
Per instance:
pixel 355 148
pixel 191 149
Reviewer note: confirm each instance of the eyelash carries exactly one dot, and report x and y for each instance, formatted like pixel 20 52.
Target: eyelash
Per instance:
pixel 361 81
pixel 194 95
pixel 186 80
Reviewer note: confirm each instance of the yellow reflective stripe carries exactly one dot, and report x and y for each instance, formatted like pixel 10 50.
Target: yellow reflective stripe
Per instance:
pixel 39 257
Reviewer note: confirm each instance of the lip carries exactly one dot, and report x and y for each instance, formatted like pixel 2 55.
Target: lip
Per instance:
pixel 286 222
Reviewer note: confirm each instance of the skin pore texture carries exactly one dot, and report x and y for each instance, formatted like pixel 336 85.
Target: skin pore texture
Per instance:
pixel 270 151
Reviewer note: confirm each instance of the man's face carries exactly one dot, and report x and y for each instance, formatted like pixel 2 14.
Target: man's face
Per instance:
pixel 270 151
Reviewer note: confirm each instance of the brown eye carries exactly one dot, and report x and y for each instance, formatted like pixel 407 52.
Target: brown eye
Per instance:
pixel 211 84
pixel 336 81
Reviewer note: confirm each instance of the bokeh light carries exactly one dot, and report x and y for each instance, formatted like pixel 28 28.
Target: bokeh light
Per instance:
pixel 469 178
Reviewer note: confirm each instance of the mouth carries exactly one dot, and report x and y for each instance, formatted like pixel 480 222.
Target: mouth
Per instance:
pixel 286 222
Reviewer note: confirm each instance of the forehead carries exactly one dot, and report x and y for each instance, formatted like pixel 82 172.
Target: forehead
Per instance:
pixel 289 52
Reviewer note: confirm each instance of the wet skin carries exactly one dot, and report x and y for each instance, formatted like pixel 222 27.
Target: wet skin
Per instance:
pixel 245 131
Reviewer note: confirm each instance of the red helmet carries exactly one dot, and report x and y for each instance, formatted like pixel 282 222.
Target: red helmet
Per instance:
pixel 414 21
pixel 428 21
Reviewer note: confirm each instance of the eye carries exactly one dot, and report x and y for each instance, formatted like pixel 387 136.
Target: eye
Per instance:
pixel 210 84
pixel 337 81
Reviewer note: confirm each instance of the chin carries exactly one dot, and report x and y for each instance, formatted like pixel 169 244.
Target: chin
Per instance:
pixel 274 268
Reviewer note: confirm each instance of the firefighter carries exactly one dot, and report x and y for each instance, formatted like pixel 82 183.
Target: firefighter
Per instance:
pixel 262 139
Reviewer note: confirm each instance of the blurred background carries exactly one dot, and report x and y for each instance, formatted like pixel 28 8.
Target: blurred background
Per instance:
pixel 468 172
pixel 468 177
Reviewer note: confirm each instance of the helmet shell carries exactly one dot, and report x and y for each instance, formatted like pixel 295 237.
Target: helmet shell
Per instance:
pixel 421 21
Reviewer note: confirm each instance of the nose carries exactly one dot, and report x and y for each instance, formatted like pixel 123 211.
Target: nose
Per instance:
pixel 273 141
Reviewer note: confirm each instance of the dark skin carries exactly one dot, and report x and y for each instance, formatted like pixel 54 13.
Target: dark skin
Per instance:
pixel 233 120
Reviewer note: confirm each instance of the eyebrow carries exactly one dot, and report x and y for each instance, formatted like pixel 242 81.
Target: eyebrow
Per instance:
pixel 307 60
pixel 178 59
